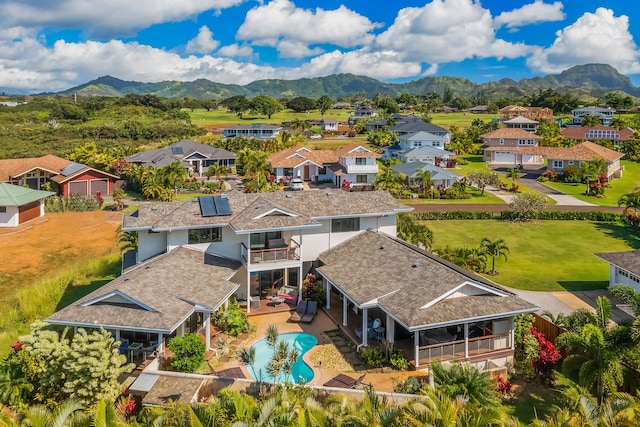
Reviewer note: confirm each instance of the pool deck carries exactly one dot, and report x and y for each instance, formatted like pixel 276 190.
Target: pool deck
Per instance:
pixel 320 324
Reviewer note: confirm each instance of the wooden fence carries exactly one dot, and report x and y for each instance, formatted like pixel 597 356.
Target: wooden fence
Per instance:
pixel 550 330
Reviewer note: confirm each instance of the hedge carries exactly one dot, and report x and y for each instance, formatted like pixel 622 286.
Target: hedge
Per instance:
pixel 600 216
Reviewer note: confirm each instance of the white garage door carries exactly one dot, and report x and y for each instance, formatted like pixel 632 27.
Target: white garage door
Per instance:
pixel 528 158
pixel 503 157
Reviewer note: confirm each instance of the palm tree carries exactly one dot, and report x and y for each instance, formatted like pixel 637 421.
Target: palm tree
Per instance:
pixel 590 120
pixel 174 173
pixel 41 416
pixel 414 232
pixel 494 249
pixel 631 203
pixel 256 166
pixel 387 179
pixel 127 240
pixel 423 178
pixel 461 379
pixel 632 297
pixel 619 123
pixel 15 389
pixel 513 174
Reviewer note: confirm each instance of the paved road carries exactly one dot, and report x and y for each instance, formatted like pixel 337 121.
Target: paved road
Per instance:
pixel 501 208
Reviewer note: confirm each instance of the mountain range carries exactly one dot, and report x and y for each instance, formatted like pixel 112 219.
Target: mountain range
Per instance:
pixel 582 80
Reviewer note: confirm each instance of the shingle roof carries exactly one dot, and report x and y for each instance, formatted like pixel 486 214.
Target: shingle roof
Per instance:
pixel 17 167
pixel 310 204
pixel 584 151
pixel 417 126
pixel 160 157
pixel 264 214
pixel 581 132
pixel 629 261
pixel 427 151
pixel 437 173
pixel 421 136
pixel 295 156
pixel 158 284
pixel 355 150
pixel 15 195
pixel 510 133
pixel 254 126
pixel 374 267
pixel 520 119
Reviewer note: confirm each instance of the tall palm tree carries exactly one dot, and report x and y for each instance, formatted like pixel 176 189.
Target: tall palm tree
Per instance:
pixel 494 249
pixel 413 232
pixel 423 178
pixel 256 166
pixel 126 240
pixel 513 174
pixel 174 173
pixel 631 203
pixel 590 120
pixel 387 179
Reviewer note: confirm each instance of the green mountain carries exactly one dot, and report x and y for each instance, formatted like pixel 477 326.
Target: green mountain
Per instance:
pixel 589 79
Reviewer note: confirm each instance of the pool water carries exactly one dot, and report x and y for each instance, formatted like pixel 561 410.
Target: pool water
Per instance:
pixel 301 372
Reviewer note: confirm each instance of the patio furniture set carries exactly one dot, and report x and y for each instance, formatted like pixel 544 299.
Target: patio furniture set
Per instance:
pixel 305 312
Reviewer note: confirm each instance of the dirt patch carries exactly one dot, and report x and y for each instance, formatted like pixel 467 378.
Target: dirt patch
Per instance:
pixel 42 247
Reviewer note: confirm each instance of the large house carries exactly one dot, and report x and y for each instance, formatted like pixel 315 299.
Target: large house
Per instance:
pixel 195 157
pixel 521 123
pixel 255 130
pixel 532 113
pixel 194 255
pixel 363 112
pixel 69 177
pixel 328 124
pixel 600 132
pixel 441 178
pixel 353 163
pixel 604 114
pixel 498 146
pixel 624 268
pixel 19 204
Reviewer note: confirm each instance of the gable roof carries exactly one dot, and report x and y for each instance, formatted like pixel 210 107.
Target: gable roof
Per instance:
pixel 178 151
pixel 584 151
pixel 152 295
pixel 355 150
pixel 629 261
pixel 265 214
pixel 10 168
pixel 411 284
pixel 310 204
pixel 295 156
pixel 437 173
pixel 15 195
pixel 417 126
pixel 510 133
pixel 426 151
pixel 261 126
pixel 520 120
pixel 582 132
pixel 422 136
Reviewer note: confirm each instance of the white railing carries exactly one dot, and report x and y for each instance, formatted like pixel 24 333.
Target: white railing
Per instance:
pixel 456 349
pixel 362 168
pixel 259 256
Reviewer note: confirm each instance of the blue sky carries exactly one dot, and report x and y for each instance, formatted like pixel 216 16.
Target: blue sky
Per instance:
pixel 54 45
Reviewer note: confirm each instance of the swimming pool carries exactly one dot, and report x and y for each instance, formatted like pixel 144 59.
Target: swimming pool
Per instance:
pixel 301 371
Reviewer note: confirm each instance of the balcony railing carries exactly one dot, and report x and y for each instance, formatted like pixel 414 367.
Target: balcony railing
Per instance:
pixel 362 168
pixel 455 349
pixel 273 255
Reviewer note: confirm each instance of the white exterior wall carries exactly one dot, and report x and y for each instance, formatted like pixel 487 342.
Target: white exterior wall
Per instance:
pixel 10 217
pixel 151 244
pixel 615 277
pixel 177 238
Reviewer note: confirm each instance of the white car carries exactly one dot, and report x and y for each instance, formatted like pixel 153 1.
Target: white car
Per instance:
pixel 315 136
pixel 296 184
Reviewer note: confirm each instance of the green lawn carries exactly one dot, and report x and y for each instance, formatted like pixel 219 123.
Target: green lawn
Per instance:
pixel 221 116
pixel 476 199
pixel 544 255
pixel 619 186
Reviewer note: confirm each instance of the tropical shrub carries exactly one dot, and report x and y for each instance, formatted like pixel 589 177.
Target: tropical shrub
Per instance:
pixel 409 386
pixel 73 203
pixel 398 360
pixel 547 358
pixel 572 174
pixel 503 386
pixel 232 321
pixel 373 357
pixel 188 352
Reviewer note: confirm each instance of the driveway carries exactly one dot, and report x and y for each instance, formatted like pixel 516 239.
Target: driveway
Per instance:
pixel 529 178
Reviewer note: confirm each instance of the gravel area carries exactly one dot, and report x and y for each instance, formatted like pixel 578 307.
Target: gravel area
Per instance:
pixel 337 353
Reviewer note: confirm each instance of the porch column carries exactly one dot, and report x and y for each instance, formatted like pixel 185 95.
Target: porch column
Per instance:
pixel 390 328
pixel 345 305
pixel 300 283
pixel 207 330
pixel 160 348
pixel 466 340
pixel 226 304
pixel 117 335
pixel 249 290
pixel 328 294
pixel 513 335
pixel 416 348
pixel 365 330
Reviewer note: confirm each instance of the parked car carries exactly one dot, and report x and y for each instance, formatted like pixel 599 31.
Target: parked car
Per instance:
pixel 296 184
pixel 315 136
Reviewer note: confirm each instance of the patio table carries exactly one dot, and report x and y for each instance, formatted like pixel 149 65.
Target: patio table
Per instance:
pixel 277 301
pixel 133 347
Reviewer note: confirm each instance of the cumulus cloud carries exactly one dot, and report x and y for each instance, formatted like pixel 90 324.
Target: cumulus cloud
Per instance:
pixel 105 18
pixel 532 13
pixel 235 51
pixel 598 37
pixel 447 31
pixel 292 30
pixel 203 42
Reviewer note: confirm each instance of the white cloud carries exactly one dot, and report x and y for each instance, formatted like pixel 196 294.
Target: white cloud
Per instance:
pixel 203 42
pixel 598 37
pixel 447 31
pixel 532 13
pixel 104 18
pixel 292 30
pixel 235 51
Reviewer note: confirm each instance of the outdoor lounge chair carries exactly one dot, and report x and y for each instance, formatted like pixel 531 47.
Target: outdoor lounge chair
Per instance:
pixel 231 373
pixel 371 329
pixel 312 309
pixel 344 381
pixel 301 309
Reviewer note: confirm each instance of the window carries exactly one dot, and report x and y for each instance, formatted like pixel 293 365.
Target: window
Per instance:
pixel 361 160
pixel 570 162
pixel 558 164
pixel 260 240
pixel 322 170
pixel 361 179
pixel 205 235
pixel 3 209
pixel 501 141
pixel 340 225
pixel 287 171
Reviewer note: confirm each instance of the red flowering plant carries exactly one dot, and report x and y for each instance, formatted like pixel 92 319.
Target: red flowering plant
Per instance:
pixel 126 406
pixel 17 346
pixel 99 197
pixel 346 185
pixel 503 386
pixel 547 357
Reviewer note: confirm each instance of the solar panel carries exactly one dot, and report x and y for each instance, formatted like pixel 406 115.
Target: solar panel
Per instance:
pixel 177 150
pixel 207 207
pixel 222 205
pixel 72 168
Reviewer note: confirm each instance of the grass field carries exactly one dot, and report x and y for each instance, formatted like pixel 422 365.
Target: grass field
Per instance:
pixel 476 198
pixel 619 186
pixel 544 255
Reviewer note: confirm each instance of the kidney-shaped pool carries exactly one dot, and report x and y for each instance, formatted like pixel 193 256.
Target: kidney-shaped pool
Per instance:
pixel 301 372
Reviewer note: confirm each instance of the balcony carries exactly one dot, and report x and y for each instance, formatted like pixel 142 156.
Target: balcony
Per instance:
pixel 351 169
pixel 291 252
pixel 455 350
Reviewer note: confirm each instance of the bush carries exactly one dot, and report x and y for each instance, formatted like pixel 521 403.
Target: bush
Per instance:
pixel 453 215
pixel 373 357
pixel 409 386
pixel 573 174
pixel 398 361
pixel 600 216
pixel 188 352
pixel 232 321
pixel 73 202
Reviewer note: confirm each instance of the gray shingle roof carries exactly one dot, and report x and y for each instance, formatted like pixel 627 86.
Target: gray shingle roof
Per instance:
pixel 374 267
pixel 160 157
pixel 158 284
pixel 629 261
pixel 310 204
pixel 437 173
pixel 427 151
